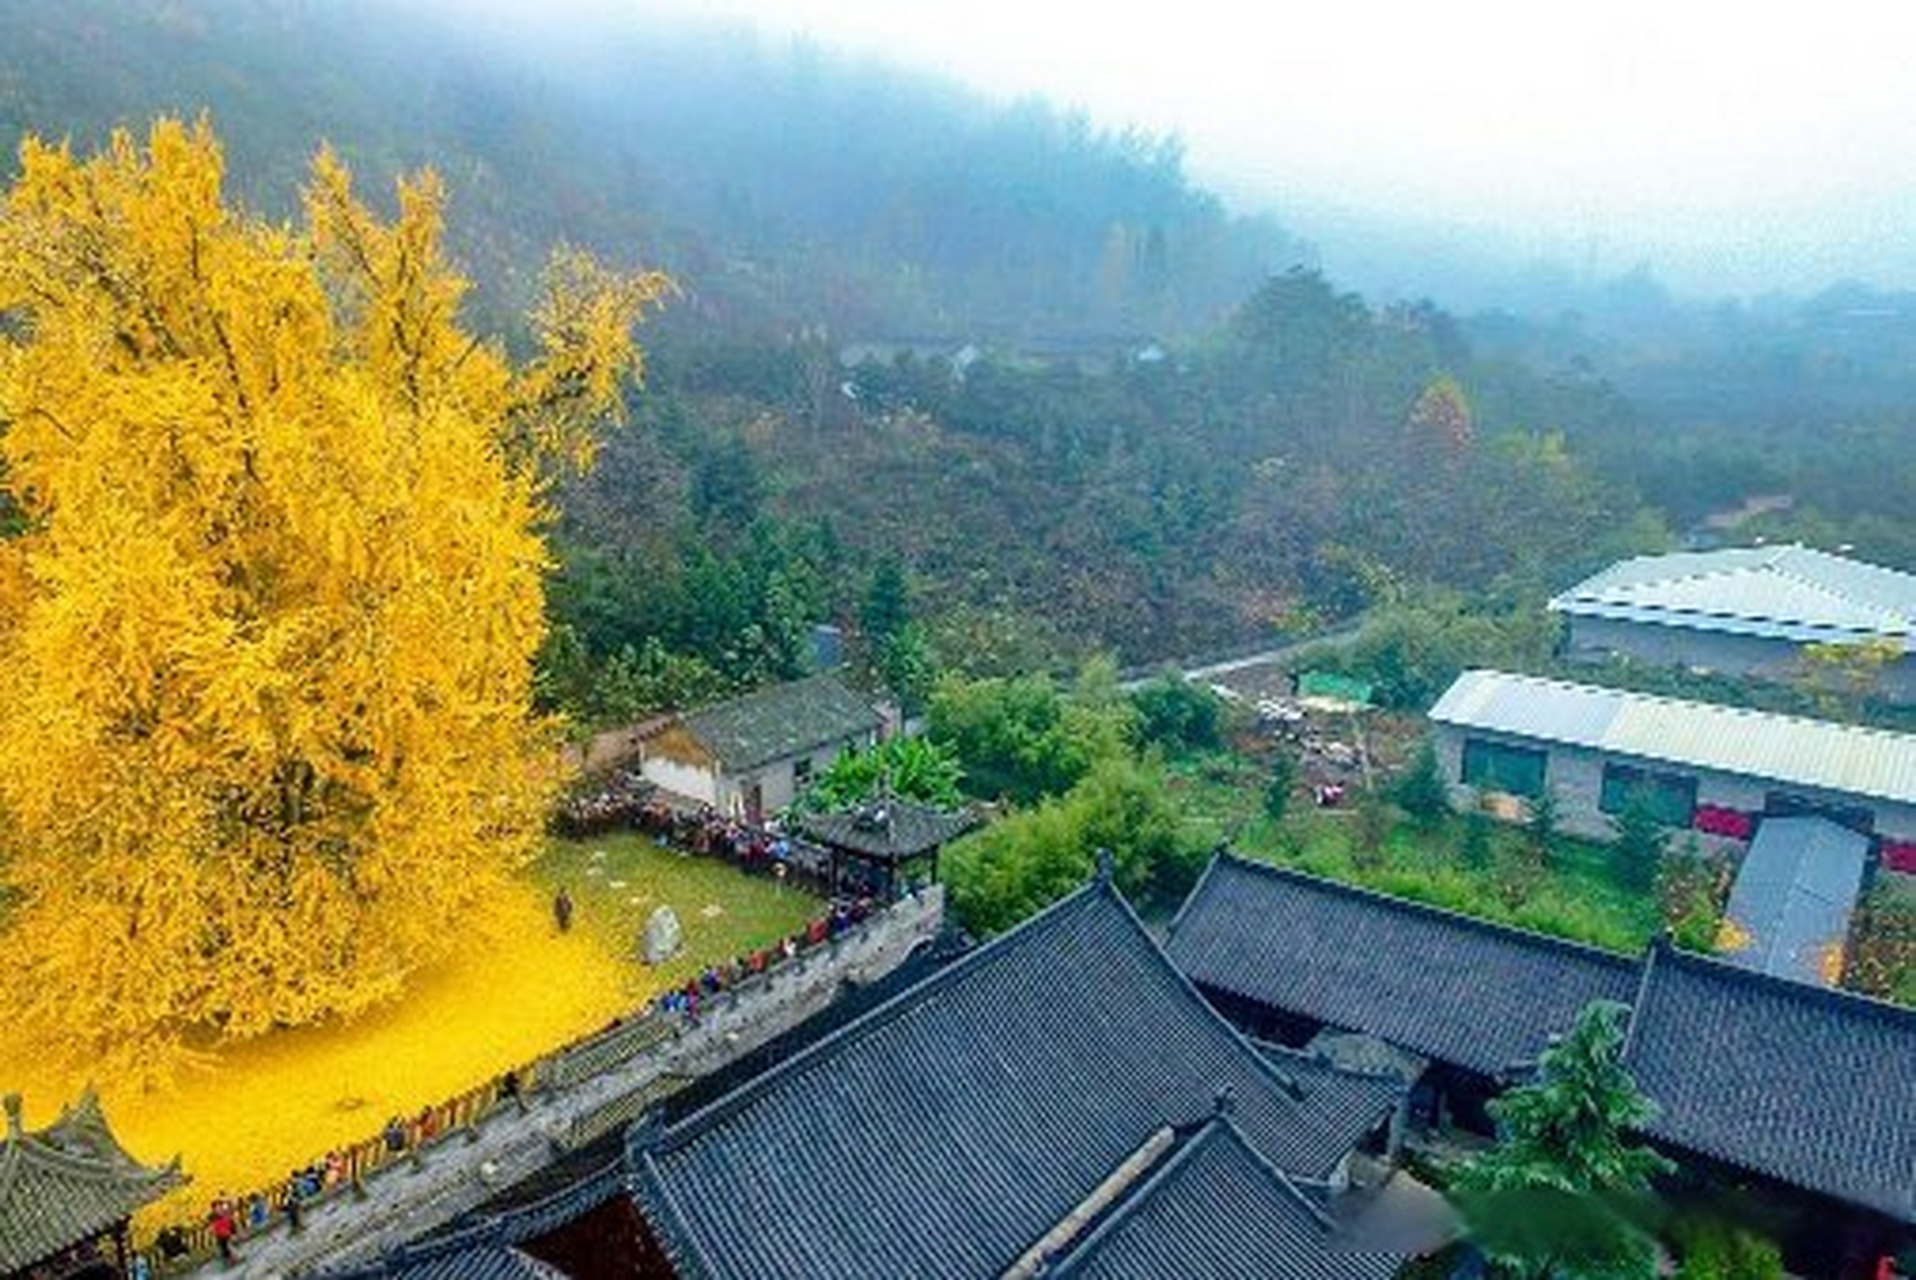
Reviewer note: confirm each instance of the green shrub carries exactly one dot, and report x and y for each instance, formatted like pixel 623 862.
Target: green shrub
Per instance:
pixel 1709 1248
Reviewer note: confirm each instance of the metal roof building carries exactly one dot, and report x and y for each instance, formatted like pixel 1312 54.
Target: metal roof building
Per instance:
pixel 1789 911
pixel 1845 759
pixel 1790 593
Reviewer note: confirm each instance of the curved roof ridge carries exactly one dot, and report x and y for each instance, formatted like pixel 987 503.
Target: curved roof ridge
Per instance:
pixel 809 1057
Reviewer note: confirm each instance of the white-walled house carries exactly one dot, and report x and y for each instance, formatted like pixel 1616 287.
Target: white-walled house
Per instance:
pixel 1713 769
pixel 753 755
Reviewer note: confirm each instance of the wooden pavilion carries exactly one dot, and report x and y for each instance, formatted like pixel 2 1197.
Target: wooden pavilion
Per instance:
pixel 885 839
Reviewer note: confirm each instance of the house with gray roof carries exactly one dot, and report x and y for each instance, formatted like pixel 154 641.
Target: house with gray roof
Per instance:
pixel 1720 771
pixel 753 755
pixel 68 1191
pixel 1743 611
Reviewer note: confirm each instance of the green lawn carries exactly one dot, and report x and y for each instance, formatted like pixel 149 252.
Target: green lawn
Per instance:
pixel 1575 896
pixel 618 880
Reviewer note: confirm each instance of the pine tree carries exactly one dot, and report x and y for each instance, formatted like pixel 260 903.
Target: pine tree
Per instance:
pixel 1564 1193
pixel 266 730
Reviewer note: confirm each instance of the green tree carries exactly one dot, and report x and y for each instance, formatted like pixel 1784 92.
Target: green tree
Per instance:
pixel 1640 840
pixel 1020 739
pixel 1420 791
pixel 1278 787
pixel 1178 715
pixel 1025 861
pixel 1565 1193
pixel 886 610
pixel 1543 827
pixel 909 768
pixel 1477 837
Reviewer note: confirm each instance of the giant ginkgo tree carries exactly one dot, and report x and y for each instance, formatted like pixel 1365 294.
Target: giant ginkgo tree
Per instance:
pixel 270 590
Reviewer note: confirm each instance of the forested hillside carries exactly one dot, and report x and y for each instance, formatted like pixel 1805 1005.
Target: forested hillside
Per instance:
pixel 781 185
pixel 1016 373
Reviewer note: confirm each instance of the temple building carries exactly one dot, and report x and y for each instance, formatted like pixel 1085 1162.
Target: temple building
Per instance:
pixel 1059 1101
pixel 1776 1086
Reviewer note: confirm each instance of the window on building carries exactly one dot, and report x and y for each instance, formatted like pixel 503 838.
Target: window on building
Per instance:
pixel 1671 796
pixel 1499 766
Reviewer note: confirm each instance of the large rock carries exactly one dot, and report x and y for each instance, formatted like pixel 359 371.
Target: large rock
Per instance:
pixel 662 936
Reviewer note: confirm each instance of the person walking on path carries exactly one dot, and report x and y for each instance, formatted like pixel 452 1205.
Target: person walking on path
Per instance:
pixel 562 910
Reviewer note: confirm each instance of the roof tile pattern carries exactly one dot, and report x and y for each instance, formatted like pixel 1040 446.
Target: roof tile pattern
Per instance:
pixel 1443 985
pixel 1789 593
pixel 1795 1082
pixel 784 720
pixel 1812 1087
pixel 69 1183
pixel 1792 750
pixel 890 829
pixel 945 1132
pixel 1217 1208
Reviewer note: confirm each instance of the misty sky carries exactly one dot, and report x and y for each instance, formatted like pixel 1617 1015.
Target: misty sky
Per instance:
pixel 1737 147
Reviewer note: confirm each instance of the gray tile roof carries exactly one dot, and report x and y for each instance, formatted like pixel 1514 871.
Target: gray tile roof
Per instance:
pixel 1217 1210
pixel 473 1262
pixel 1812 1087
pixel 1787 593
pixel 1805 1085
pixel 1351 1102
pixel 1793 897
pixel 1463 991
pixel 945 1132
pixel 68 1183
pixel 1848 759
pixel 781 721
pixel 889 829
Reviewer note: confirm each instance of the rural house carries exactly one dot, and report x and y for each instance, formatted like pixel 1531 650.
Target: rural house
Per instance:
pixel 1743 611
pixel 1719 771
pixel 754 755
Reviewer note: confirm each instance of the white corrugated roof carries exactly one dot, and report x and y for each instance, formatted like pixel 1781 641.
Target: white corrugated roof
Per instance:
pixel 1789 592
pixel 1787 749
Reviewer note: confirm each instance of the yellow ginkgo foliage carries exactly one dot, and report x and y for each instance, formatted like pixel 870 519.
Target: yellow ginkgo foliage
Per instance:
pixel 268 616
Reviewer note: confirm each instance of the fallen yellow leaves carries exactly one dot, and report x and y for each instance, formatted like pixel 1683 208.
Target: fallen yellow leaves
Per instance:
pixel 513 989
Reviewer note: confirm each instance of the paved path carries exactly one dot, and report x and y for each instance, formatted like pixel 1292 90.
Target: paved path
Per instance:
pixel 1277 656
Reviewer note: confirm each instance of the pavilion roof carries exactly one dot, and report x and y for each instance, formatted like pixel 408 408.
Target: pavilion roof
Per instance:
pixel 68 1183
pixel 891 829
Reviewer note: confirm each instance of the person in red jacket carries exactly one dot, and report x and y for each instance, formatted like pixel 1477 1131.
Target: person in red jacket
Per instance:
pixel 224 1222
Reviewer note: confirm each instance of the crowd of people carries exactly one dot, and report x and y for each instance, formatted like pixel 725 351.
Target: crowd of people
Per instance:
pixel 626 803
pixel 716 979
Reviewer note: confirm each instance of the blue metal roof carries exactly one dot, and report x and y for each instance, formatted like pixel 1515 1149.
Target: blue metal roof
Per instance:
pixel 1789 593
pixel 1789 910
pixel 1842 758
